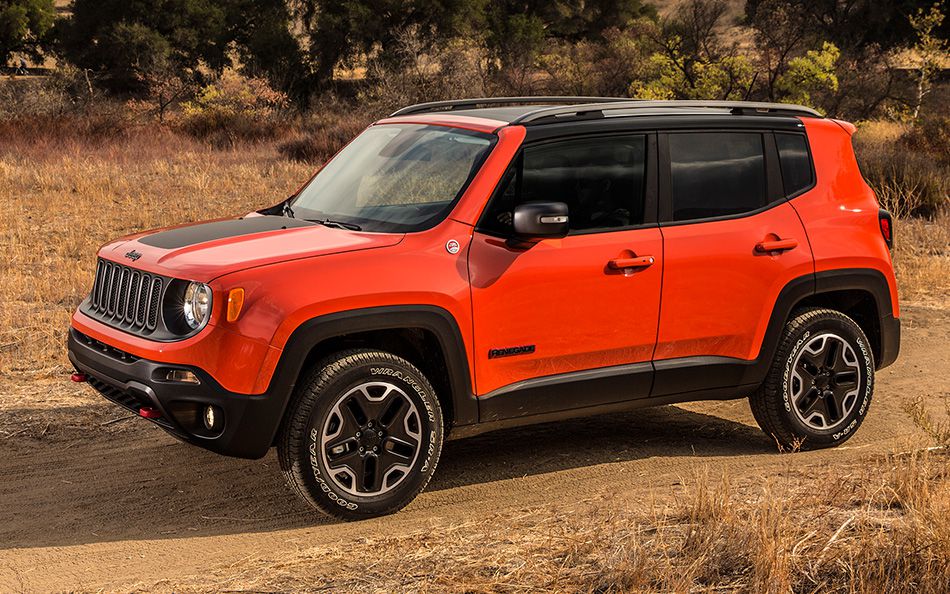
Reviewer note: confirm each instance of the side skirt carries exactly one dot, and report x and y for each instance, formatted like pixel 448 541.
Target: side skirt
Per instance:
pixel 730 393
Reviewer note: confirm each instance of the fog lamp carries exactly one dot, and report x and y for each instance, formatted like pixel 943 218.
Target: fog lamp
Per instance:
pixel 211 418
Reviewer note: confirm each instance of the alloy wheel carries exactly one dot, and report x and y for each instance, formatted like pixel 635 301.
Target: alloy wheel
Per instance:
pixel 826 376
pixel 371 439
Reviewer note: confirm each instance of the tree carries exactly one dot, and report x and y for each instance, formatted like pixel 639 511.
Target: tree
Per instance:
pixel 24 27
pixel 782 32
pixel 162 48
pixel 261 32
pixel 813 72
pixel 339 31
pixel 692 61
pixel 124 41
pixel 512 30
pixel 930 50
pixel 850 24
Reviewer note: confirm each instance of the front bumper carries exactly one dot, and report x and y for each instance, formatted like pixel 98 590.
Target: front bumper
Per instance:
pixel 249 421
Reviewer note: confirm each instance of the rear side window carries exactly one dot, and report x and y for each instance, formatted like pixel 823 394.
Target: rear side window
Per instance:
pixel 796 164
pixel 600 179
pixel 716 174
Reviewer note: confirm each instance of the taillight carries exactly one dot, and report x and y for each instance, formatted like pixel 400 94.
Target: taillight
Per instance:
pixel 886 223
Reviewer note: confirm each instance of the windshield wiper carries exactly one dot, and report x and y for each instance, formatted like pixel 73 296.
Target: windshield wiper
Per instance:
pixel 287 210
pixel 337 224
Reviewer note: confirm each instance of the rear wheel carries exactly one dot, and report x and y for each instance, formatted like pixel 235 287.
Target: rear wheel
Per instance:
pixel 820 384
pixel 364 435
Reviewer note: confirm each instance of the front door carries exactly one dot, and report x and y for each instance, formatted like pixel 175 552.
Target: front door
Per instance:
pixel 569 323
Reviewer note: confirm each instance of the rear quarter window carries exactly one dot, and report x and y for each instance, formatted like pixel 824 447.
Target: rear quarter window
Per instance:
pixel 797 172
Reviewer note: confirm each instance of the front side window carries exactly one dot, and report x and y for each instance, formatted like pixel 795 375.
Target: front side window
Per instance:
pixel 600 179
pixel 395 177
pixel 714 174
pixel 796 165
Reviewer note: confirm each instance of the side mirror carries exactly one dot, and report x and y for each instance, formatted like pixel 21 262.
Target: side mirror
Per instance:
pixel 540 220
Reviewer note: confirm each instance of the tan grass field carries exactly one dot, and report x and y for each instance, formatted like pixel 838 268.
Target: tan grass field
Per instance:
pixel 62 198
pixel 878 523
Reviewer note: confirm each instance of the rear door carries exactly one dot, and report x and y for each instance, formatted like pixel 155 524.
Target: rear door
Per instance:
pixel 731 243
pixel 558 325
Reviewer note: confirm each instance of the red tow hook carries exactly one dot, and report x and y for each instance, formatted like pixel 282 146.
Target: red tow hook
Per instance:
pixel 79 377
pixel 148 412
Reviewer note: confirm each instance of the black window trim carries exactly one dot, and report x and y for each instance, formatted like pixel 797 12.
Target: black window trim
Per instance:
pixel 811 163
pixel 775 191
pixel 650 190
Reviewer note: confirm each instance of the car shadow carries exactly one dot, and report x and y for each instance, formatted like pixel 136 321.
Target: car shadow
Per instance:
pixel 139 483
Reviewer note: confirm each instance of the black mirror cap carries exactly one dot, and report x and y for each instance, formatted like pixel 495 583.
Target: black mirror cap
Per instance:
pixel 540 220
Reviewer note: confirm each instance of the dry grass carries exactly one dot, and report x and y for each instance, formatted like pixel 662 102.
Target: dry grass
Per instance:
pixel 878 527
pixel 882 528
pixel 63 198
pixel 922 259
pixel 65 194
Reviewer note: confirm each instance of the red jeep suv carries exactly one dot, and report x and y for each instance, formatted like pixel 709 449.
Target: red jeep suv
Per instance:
pixel 471 265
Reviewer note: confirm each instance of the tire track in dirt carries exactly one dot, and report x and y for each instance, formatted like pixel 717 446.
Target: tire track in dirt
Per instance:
pixel 107 509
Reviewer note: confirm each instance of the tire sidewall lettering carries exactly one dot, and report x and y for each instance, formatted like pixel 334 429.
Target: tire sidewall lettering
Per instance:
pixel 425 463
pixel 318 475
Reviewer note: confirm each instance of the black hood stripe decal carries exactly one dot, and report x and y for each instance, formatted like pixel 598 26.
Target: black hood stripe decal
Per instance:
pixel 204 232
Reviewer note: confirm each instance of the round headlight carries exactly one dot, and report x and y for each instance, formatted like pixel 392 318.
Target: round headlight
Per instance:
pixel 197 306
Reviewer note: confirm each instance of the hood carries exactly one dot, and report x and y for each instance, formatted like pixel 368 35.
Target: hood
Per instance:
pixel 204 251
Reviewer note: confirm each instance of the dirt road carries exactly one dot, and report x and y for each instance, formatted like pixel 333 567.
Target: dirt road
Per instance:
pixel 105 508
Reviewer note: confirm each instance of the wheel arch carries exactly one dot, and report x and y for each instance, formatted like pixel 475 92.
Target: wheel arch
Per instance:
pixel 862 294
pixel 427 336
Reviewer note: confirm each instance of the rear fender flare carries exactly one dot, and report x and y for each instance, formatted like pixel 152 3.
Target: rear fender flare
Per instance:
pixel 796 291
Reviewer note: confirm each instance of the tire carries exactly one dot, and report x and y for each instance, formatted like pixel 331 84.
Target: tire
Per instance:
pixel 353 402
pixel 819 386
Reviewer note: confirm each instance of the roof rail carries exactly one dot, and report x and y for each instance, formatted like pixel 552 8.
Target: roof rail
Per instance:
pixel 563 113
pixel 475 102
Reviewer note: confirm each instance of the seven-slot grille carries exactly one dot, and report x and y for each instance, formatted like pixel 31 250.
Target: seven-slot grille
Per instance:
pixel 126 297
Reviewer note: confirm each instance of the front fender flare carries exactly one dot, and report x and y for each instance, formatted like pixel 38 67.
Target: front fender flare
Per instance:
pixel 434 319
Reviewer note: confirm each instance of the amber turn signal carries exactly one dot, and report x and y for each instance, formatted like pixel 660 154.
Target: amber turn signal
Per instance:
pixel 235 304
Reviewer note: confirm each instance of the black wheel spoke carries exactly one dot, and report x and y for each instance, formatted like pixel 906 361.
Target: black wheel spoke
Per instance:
pixel 342 451
pixel 810 403
pixel 371 476
pixel 832 352
pixel 836 403
pixel 842 364
pixel 393 411
pixel 846 379
pixel 811 362
pixel 355 412
pixel 807 376
pixel 400 449
pixel 820 406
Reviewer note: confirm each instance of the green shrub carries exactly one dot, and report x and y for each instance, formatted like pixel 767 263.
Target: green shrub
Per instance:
pixel 234 108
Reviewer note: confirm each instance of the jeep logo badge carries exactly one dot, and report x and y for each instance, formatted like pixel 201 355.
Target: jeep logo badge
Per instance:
pixel 452 246
pixel 133 255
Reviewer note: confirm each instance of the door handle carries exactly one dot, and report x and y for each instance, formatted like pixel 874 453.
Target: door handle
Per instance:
pixel 625 263
pixel 779 245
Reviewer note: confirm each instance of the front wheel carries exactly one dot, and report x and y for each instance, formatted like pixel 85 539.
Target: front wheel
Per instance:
pixel 820 383
pixel 363 436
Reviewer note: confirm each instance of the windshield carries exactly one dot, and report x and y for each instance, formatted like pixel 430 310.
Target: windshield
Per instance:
pixel 394 177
